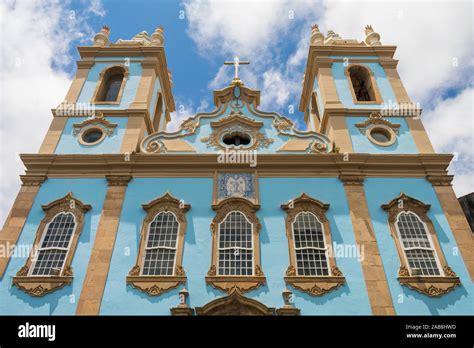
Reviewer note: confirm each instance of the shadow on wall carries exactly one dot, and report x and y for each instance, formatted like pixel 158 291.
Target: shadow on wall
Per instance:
pixel 435 304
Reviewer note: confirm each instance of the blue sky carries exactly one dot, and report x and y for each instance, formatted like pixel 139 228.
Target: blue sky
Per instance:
pixel 193 69
pixel 39 39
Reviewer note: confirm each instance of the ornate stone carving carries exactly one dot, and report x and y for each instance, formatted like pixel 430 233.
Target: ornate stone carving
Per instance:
pixel 101 39
pixel 376 119
pixel 237 122
pixel 156 285
pixel 371 37
pixel 189 125
pixel 283 124
pixel 96 120
pixel 290 271
pixel 317 38
pixel 235 304
pixel 317 147
pixel 316 286
pixel 158 37
pixel 403 272
pixel 430 286
pixel 155 146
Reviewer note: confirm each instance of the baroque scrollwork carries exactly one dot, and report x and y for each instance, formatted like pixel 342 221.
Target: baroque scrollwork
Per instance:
pixel 237 122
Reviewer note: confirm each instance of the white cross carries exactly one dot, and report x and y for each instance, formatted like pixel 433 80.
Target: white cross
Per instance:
pixel 236 64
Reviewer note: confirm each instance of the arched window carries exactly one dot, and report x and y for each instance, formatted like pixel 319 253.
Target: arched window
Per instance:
pixel 422 264
pixel 312 268
pixel 49 265
pixel 310 246
pixel 421 256
pixel 159 262
pixel 111 84
pixel 362 85
pixel 160 248
pixel 235 245
pixel 235 260
pixel 54 246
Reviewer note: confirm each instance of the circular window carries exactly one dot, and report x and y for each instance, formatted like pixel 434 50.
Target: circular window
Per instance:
pixel 236 139
pixel 92 136
pixel 381 136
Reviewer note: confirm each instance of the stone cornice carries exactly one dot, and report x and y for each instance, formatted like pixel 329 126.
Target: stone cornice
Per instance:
pixel 275 165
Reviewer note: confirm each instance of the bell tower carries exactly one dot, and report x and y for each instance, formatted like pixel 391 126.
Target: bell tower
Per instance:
pixel 120 94
pixel 352 92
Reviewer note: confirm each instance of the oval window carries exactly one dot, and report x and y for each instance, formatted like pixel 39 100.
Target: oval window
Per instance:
pixel 381 135
pixel 92 135
pixel 236 139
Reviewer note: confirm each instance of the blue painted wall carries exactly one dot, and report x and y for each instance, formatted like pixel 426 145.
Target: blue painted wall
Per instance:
pixel 122 299
pixel 344 92
pixel 130 90
pixel 69 143
pixel 63 301
pixel 361 144
pixel 408 302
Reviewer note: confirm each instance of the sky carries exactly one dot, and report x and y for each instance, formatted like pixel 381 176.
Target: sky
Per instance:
pixel 39 40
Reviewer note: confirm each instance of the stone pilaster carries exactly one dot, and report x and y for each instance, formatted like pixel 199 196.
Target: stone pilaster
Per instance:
pixel 372 266
pixel 456 219
pixel 99 263
pixel 51 139
pixel 18 214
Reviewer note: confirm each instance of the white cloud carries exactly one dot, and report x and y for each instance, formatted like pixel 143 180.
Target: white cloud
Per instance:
pixel 242 27
pixel 36 37
pixel 450 126
pixel 431 37
pixel 434 40
pixel 185 110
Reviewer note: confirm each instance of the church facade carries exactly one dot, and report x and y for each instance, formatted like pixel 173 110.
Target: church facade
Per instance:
pixel 237 212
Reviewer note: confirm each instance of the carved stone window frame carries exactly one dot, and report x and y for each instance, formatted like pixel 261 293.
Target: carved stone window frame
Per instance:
pixel 156 285
pixel 313 285
pixel 377 94
pixel 432 286
pixel 236 122
pixel 235 304
pixel 101 84
pixel 96 122
pixel 42 285
pixel 376 121
pixel 227 283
